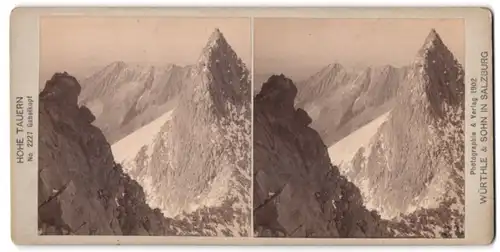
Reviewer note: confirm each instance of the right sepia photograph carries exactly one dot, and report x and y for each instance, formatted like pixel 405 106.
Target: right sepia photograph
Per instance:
pixel 358 128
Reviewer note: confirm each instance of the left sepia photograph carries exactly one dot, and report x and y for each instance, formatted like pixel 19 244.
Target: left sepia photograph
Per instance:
pixel 145 126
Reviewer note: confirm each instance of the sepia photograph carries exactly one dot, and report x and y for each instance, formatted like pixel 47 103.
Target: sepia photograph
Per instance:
pixel 359 128
pixel 144 126
pixel 251 126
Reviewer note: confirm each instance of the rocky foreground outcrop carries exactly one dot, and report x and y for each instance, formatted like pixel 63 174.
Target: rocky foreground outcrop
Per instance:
pixel 82 191
pixel 297 191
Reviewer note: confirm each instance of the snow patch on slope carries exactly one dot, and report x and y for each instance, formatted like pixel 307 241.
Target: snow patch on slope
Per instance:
pixel 127 148
pixel 342 152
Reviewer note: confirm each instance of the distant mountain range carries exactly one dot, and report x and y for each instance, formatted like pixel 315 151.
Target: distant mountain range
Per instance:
pixel 125 97
pixel 341 99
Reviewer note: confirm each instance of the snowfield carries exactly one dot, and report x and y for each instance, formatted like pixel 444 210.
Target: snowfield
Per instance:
pixel 342 152
pixel 126 149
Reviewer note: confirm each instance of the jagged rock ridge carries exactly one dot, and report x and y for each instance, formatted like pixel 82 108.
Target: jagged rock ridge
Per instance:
pixel 82 191
pixel 414 164
pixel 201 156
pixel 126 96
pixel 340 100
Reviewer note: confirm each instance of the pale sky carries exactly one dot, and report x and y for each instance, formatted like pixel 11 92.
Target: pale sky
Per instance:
pixel 81 45
pixel 300 47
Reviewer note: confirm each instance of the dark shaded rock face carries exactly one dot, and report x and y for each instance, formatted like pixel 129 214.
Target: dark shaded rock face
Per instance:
pixel 82 191
pixel 297 192
pixel 443 77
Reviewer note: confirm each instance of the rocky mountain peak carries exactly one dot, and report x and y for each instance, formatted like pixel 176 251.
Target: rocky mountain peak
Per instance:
pixel 118 64
pixel 211 121
pixel 222 77
pixel 334 66
pixel 112 68
pixel 332 69
pixel 430 108
pixel 432 44
pixel 436 78
pixel 216 35
pixel 216 42
pixel 433 39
